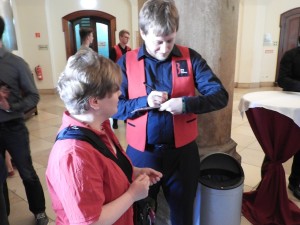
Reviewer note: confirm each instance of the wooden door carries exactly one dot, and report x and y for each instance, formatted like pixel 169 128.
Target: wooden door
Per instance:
pixel 69 22
pixel 289 33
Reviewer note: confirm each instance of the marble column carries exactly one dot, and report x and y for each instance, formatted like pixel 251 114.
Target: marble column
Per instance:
pixel 210 27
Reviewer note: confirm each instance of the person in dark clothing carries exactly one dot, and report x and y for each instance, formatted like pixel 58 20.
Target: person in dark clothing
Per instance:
pixel 3 175
pixel 116 52
pixel 160 104
pixel 18 93
pixel 289 80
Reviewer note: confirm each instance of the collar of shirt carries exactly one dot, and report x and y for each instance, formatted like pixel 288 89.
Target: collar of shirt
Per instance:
pixel 143 52
pixel 120 46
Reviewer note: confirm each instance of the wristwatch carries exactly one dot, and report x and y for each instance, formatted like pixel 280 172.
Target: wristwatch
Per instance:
pixel 183 105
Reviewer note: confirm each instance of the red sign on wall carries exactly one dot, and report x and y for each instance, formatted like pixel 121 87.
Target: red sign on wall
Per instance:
pixel 37 35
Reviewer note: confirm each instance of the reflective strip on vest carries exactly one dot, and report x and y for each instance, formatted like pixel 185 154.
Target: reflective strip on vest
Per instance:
pixel 185 125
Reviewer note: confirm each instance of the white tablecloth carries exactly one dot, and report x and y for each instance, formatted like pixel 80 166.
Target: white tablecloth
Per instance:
pixel 286 103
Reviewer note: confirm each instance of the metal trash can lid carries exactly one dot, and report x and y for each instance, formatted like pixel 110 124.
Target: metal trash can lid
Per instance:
pixel 220 171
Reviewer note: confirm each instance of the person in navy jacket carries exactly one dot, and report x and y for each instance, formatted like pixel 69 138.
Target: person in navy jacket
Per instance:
pixel 160 104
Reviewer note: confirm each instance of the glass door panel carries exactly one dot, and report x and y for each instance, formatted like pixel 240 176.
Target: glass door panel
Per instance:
pixel 102 39
pixel 77 36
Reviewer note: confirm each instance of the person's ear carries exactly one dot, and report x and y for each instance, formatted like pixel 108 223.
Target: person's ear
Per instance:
pixel 94 102
pixel 143 35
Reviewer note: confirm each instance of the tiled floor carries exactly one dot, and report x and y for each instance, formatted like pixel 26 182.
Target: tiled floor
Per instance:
pixel 43 128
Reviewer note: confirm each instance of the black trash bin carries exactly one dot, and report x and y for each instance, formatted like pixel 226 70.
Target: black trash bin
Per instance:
pixel 220 190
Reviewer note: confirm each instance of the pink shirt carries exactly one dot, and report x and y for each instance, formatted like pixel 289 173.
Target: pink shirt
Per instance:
pixel 81 180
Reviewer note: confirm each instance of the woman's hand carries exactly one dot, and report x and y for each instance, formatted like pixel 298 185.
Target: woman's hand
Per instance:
pixel 154 175
pixel 113 210
pixel 139 187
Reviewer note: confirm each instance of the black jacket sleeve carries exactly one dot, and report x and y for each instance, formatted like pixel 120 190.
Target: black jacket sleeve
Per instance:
pixel 289 71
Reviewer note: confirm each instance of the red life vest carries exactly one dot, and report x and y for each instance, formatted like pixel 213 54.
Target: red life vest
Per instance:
pixel 119 52
pixel 185 125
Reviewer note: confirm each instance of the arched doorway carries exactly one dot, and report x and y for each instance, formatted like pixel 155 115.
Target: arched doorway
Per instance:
pixel 103 24
pixel 289 33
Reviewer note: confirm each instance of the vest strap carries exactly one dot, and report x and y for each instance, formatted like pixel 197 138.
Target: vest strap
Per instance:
pixel 136 88
pixel 185 125
pixel 118 52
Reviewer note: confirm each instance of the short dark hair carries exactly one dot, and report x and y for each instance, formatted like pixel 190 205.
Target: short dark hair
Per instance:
pixel 2 26
pixel 84 32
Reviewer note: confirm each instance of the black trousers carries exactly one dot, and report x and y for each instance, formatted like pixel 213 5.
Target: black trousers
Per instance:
pixel 180 168
pixel 6 197
pixel 14 138
pixel 294 177
pixel 3 204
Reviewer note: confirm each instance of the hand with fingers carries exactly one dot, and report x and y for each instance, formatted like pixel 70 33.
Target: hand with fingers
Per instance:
pixel 139 187
pixel 4 93
pixel 174 106
pixel 153 175
pixel 156 98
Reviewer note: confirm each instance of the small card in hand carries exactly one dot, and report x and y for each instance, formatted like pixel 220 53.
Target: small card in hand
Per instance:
pixel 144 109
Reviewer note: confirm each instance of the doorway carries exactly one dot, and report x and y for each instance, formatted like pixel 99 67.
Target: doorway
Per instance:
pixel 103 24
pixel 289 33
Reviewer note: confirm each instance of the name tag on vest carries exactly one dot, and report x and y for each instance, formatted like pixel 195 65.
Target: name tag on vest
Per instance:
pixel 182 68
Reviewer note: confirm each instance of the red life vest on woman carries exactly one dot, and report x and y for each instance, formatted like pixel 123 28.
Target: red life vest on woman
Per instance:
pixel 185 125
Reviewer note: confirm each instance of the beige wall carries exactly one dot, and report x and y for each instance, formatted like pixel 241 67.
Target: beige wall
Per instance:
pixel 256 62
pixel 44 17
pixel 256 18
pixel 30 19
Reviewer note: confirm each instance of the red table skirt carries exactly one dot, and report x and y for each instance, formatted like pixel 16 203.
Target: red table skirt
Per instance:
pixel 279 138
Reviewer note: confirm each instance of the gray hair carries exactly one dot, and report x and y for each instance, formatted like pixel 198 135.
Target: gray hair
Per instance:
pixel 86 75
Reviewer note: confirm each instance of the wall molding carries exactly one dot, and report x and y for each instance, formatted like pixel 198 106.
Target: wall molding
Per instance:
pixel 254 85
pixel 47 91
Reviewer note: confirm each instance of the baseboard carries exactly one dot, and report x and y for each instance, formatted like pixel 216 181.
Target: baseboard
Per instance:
pixel 254 85
pixel 47 91
pixel 268 84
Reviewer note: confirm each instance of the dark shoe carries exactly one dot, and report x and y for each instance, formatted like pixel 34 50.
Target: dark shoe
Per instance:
pixel 41 219
pixel 295 189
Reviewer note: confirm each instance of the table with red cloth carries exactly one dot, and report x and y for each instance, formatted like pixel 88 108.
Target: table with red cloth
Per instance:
pixel 274 117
